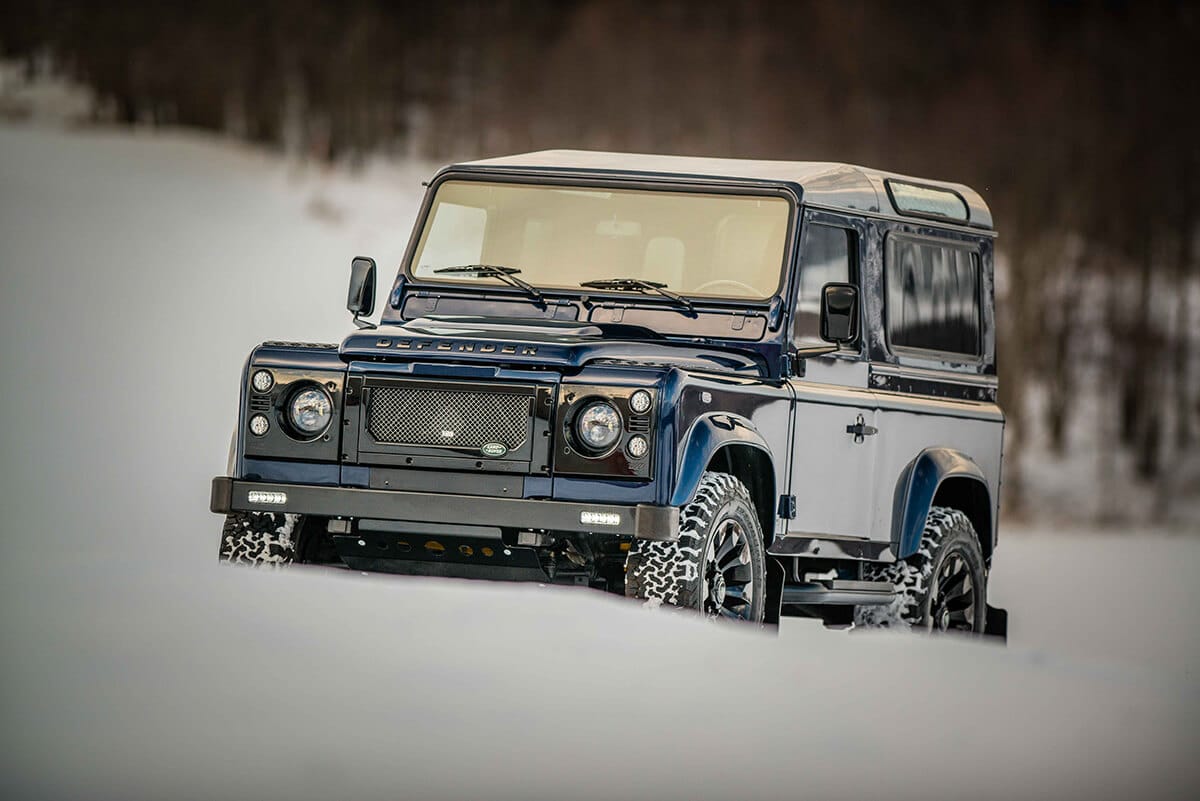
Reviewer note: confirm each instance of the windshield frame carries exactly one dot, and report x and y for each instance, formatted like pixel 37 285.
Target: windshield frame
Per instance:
pixel 588 180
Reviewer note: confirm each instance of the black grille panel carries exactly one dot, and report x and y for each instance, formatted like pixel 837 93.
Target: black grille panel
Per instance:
pixel 448 418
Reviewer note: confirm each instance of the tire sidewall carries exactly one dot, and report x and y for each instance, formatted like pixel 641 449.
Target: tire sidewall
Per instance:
pixel 673 573
pixel 260 538
pixel 947 531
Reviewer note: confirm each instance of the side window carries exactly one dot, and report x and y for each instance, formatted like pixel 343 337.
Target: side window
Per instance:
pixel 932 296
pixel 824 258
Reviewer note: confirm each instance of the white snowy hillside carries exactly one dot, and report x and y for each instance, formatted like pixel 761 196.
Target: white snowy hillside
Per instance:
pixel 136 273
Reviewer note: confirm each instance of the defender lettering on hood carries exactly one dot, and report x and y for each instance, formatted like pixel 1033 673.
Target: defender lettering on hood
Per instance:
pixel 458 347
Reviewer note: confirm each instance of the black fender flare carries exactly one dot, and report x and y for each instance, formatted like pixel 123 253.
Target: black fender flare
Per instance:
pixel 706 436
pixel 918 486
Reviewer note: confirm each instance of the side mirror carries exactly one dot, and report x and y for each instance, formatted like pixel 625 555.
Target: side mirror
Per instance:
pixel 361 299
pixel 839 313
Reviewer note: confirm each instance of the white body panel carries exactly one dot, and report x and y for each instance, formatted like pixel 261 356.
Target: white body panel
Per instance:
pixel 848 487
pixel 910 424
pixel 832 475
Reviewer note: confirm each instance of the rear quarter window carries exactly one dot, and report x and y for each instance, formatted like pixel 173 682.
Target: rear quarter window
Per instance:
pixel 933 296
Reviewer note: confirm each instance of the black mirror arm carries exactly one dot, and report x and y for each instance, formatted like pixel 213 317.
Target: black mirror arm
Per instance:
pixel 798 356
pixel 362 324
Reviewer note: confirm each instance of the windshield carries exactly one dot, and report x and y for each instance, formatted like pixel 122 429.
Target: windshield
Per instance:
pixel 707 245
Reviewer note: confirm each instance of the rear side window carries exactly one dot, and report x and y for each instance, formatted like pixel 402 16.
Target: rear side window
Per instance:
pixel 824 258
pixel 932 296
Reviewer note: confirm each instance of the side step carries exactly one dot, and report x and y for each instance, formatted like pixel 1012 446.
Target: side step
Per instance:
pixel 839 592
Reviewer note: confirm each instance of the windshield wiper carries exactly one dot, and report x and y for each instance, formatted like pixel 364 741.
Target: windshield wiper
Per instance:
pixel 629 284
pixel 506 274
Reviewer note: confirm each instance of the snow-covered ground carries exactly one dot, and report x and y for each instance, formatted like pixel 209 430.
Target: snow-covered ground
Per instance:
pixel 137 272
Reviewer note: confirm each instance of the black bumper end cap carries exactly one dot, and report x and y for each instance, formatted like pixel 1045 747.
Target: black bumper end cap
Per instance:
pixel 221 500
pixel 660 523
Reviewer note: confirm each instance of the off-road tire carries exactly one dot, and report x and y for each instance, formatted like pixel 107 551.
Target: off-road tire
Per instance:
pixel 948 534
pixel 673 573
pixel 260 538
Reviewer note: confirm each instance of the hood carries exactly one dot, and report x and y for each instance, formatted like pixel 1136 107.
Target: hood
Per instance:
pixel 553 343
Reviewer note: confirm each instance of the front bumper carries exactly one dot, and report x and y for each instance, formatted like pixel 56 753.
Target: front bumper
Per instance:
pixel 643 521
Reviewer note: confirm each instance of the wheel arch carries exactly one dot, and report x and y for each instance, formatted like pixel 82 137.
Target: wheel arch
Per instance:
pixel 941 477
pixel 726 443
pixel 970 496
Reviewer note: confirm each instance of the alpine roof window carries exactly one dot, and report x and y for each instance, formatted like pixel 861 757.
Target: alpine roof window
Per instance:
pixel 918 200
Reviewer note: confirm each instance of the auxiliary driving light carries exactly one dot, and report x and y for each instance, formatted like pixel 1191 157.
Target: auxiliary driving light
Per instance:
pixel 640 401
pixel 600 518
pixel 262 381
pixel 259 425
pixel 258 496
pixel 637 446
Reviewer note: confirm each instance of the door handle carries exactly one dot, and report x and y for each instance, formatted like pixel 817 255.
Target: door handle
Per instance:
pixel 860 430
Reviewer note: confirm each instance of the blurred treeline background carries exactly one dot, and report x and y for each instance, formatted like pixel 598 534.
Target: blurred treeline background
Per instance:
pixel 1077 121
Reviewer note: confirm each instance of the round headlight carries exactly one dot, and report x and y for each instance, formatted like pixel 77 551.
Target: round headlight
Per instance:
pixel 310 410
pixel 259 425
pixel 637 446
pixel 640 401
pixel 262 381
pixel 598 426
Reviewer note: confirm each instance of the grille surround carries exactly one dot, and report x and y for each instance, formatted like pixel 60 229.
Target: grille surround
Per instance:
pixel 450 416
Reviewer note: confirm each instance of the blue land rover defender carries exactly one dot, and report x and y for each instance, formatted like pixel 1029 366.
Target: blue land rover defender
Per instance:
pixel 748 388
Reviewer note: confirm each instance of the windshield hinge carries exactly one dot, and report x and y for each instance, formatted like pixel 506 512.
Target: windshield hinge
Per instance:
pixel 775 314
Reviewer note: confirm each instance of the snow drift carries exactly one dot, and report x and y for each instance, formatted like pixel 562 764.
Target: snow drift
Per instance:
pixel 138 271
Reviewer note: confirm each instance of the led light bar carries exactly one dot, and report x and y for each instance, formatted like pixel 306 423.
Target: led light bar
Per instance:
pixel 600 518
pixel 258 496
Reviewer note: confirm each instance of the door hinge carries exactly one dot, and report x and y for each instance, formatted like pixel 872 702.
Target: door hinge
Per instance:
pixel 787 507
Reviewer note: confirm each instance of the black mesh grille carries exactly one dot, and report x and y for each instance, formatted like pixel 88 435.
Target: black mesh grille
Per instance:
pixel 419 416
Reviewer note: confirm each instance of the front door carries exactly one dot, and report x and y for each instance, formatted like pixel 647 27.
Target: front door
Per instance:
pixel 833 449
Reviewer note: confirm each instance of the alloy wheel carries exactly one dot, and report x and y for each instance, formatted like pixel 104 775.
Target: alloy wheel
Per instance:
pixel 952 605
pixel 729 573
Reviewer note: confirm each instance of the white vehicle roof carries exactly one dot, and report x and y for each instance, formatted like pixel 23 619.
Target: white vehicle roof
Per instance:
pixel 827 184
